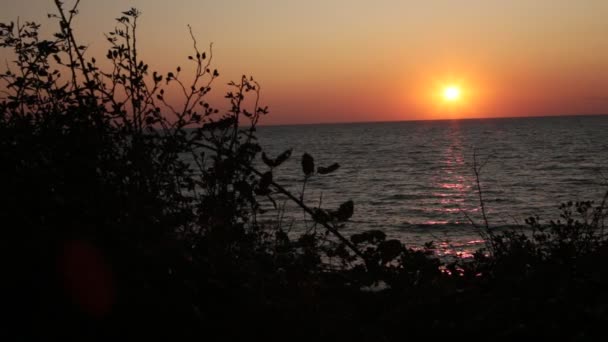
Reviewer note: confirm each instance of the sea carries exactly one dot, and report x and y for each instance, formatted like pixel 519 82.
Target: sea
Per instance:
pixel 416 181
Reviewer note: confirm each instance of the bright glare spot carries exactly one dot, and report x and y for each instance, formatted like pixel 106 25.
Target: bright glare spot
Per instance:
pixel 451 93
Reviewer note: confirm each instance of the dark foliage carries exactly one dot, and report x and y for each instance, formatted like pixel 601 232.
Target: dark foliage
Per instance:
pixel 126 215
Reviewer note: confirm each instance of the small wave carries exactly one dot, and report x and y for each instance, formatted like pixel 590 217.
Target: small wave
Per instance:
pixel 553 167
pixel 579 181
pixel 450 225
pixel 402 197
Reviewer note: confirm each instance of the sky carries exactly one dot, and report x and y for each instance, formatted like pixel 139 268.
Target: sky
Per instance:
pixel 383 60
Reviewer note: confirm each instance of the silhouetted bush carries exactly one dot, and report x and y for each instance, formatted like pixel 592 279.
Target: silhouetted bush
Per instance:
pixel 129 216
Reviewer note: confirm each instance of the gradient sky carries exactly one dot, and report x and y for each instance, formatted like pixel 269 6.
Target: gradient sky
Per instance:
pixel 350 60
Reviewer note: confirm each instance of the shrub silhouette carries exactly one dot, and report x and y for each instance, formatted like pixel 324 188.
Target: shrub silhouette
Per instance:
pixel 106 176
pixel 129 216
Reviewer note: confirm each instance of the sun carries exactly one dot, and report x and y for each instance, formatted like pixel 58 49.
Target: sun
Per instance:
pixel 451 93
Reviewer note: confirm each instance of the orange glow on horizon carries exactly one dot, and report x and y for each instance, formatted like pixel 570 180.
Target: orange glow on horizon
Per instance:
pixel 507 58
pixel 452 96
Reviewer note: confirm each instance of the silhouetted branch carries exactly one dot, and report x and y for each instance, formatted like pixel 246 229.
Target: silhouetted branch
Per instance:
pixel 477 169
pixel 296 200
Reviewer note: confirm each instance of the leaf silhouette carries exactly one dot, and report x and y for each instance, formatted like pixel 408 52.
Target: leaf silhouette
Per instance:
pixel 326 170
pixel 389 250
pixel 321 216
pixel 283 157
pixel 269 162
pixel 308 164
pixel 264 183
pixel 345 211
pixel 278 161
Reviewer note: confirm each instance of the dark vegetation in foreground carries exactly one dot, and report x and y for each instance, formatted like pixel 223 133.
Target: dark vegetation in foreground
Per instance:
pixel 110 234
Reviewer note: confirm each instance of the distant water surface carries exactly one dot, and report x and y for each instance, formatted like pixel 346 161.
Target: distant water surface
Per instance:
pixel 414 180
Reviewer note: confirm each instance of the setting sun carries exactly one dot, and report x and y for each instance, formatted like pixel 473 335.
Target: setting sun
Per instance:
pixel 451 93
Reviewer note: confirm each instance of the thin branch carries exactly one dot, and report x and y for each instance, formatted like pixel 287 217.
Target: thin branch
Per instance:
pixel 477 169
pixel 73 45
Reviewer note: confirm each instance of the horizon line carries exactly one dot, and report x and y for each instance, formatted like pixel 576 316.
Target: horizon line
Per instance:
pixel 426 120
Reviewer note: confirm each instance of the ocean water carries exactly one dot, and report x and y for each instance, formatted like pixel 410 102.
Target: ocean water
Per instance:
pixel 415 180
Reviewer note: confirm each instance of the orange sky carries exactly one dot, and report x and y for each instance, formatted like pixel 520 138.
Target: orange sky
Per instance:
pixel 348 60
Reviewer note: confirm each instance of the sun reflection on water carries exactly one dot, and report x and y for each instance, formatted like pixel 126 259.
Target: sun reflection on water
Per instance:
pixel 452 182
pixel 454 190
